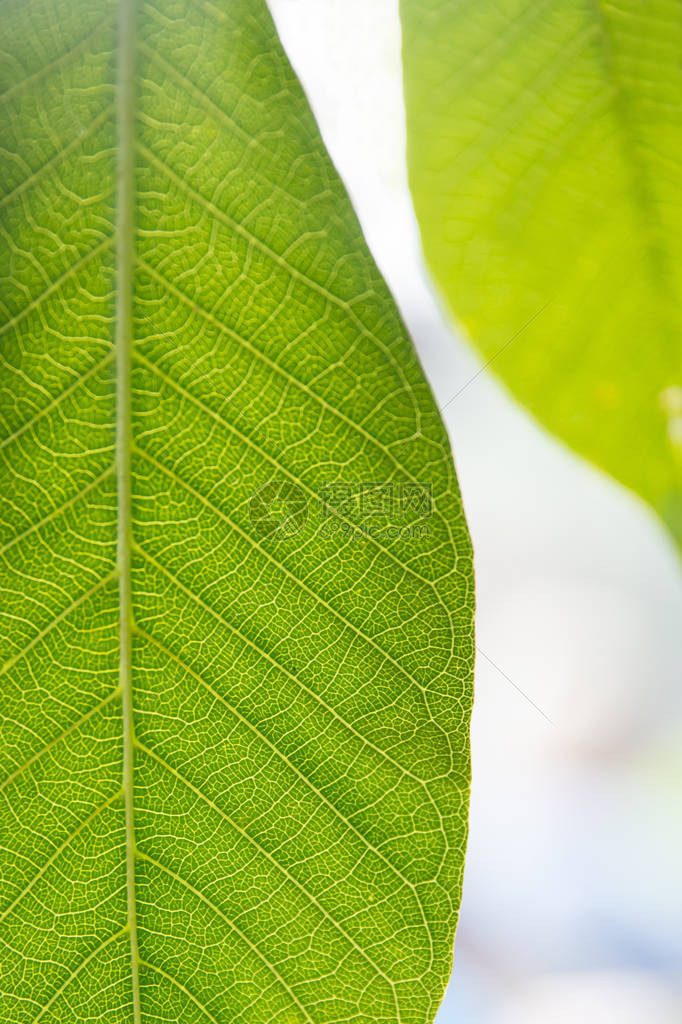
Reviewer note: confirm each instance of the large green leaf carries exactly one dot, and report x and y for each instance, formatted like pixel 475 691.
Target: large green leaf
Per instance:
pixel 217 444
pixel 544 149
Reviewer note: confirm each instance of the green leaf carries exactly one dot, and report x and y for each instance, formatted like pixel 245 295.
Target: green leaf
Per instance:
pixel 217 445
pixel 544 151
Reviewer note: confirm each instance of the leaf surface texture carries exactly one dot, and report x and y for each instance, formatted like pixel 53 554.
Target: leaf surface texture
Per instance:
pixel 234 753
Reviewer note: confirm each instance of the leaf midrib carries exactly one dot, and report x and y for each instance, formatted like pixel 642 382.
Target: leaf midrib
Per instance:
pixel 639 182
pixel 125 202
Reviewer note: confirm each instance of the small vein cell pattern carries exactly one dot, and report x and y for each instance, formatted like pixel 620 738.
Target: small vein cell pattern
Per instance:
pixel 301 698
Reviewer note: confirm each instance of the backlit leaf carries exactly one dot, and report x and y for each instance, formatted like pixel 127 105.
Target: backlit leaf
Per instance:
pixel 218 446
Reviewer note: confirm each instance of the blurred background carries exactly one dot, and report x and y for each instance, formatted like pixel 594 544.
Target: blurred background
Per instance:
pixel 572 905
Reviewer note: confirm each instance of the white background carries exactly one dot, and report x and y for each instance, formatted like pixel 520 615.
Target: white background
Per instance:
pixel 572 906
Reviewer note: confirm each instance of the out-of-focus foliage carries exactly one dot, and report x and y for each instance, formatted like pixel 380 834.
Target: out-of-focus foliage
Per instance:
pixel 545 156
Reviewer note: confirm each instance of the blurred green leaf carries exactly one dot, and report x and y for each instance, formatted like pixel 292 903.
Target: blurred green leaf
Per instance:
pixel 544 150
pixel 216 442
